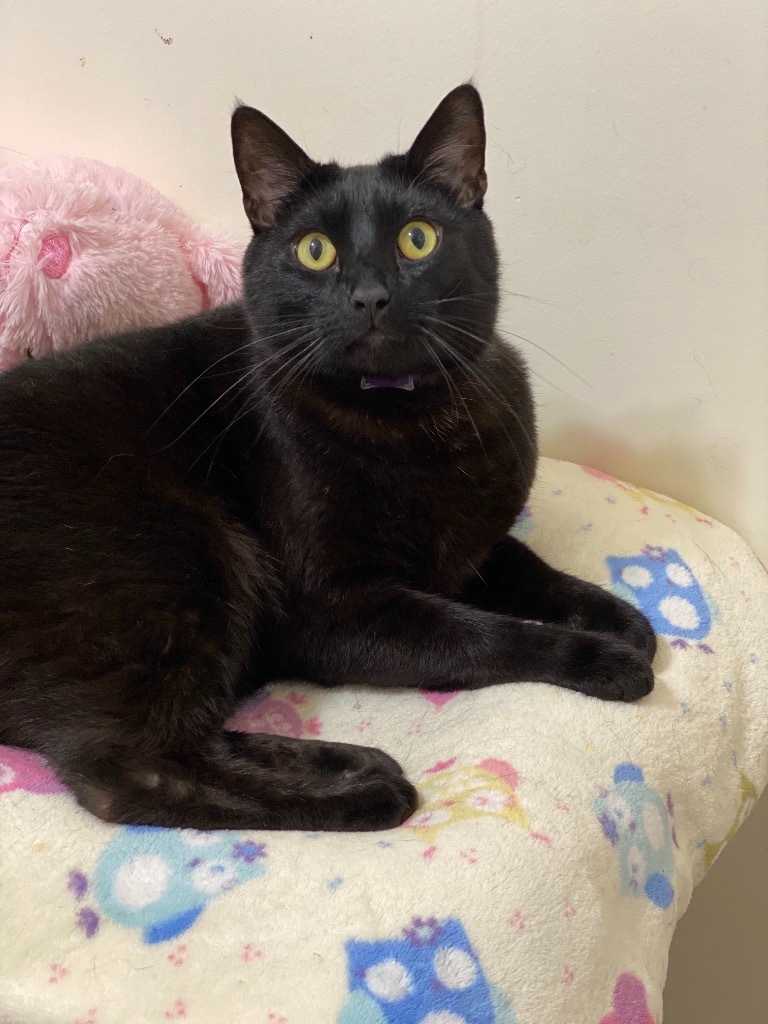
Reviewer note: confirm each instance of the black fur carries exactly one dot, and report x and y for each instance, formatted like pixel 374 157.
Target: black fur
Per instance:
pixel 191 511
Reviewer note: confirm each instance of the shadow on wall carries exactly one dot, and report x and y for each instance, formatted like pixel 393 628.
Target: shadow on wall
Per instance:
pixel 708 476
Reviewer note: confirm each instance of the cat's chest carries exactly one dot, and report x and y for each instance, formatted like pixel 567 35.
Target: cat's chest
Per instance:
pixel 424 513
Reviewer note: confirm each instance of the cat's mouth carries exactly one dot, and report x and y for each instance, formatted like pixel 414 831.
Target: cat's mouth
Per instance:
pixel 394 361
pixel 406 383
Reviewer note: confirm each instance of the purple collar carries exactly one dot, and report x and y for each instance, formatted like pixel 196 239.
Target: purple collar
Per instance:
pixel 403 383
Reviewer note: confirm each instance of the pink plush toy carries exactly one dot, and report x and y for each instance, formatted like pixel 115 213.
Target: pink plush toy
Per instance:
pixel 88 250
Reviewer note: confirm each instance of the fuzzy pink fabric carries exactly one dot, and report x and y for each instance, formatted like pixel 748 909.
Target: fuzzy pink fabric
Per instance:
pixel 87 249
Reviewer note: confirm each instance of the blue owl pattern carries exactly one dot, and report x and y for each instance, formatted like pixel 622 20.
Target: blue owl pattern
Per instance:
pixel 430 974
pixel 160 880
pixel 524 524
pixel 636 821
pixel 660 583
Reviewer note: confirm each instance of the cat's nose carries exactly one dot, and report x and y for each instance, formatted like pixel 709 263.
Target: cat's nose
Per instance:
pixel 371 298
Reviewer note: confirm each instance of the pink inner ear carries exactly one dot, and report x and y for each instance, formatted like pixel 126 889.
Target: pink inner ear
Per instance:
pixel 55 255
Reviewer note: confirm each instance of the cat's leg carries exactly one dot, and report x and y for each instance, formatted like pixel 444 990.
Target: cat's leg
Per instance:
pixel 248 781
pixel 145 743
pixel 390 635
pixel 515 581
pixel 128 703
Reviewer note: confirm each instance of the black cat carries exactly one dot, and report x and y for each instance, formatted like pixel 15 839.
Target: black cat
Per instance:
pixel 318 484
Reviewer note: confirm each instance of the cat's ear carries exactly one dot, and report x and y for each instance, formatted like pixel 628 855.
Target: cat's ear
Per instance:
pixel 269 164
pixel 450 148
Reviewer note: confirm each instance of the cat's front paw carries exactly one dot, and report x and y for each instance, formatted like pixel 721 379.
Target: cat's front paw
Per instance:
pixel 602 667
pixel 608 614
pixel 365 789
pixel 385 802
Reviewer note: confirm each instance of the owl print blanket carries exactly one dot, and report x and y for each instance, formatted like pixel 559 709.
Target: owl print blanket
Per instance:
pixel 557 842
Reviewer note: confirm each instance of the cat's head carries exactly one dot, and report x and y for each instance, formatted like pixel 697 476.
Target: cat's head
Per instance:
pixel 368 275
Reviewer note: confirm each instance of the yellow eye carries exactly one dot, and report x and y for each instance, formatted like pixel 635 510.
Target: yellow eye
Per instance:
pixel 316 251
pixel 417 240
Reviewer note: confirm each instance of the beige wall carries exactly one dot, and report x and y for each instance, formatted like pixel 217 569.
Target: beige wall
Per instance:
pixel 718 964
pixel 627 159
pixel 627 167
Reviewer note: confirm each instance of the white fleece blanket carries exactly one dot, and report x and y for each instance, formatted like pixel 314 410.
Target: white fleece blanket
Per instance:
pixel 557 844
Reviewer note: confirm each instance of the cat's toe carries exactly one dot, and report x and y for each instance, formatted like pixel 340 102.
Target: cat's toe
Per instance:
pixel 348 760
pixel 608 669
pixel 610 614
pixel 363 788
pixel 632 628
pixel 640 634
pixel 385 803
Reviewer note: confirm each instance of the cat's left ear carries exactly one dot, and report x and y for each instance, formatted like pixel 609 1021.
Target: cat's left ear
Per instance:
pixel 269 164
pixel 450 148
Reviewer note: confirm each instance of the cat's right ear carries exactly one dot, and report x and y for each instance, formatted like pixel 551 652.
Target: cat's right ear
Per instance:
pixel 269 164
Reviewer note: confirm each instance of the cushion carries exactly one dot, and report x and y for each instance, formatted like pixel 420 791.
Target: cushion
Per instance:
pixel 557 843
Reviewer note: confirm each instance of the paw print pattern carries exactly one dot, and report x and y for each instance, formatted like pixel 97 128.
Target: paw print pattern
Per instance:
pixel 160 880
pixel 57 973
pixel 630 1004
pixel 429 975
pixel 177 1011
pixel 274 715
pixel 91 1016
pixel 21 769
pixel 635 820
pixel 451 793
pixel 660 583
